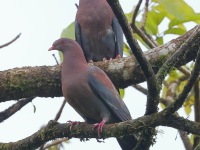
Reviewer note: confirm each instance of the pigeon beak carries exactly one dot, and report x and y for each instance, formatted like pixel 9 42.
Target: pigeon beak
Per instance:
pixel 51 48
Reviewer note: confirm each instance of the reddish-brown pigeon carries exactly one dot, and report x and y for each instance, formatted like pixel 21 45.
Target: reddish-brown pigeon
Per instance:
pixel 97 30
pixel 90 92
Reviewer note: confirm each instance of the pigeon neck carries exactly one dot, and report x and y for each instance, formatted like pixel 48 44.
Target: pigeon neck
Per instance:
pixel 74 60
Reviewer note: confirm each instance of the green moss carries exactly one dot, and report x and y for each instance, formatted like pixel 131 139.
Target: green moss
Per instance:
pixel 161 59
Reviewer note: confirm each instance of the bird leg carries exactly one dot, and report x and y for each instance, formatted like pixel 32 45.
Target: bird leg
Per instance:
pixel 73 123
pixel 100 127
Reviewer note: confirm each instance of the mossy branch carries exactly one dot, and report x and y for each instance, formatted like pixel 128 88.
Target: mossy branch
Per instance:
pixel 45 81
pixel 55 130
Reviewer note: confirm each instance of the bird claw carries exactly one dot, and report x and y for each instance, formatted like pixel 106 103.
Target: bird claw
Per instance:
pixel 100 127
pixel 73 123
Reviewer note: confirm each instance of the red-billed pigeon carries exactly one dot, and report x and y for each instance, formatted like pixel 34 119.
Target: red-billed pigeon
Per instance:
pixel 90 92
pixel 97 30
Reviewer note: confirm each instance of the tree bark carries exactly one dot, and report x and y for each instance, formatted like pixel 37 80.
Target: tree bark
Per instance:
pixel 56 130
pixel 45 81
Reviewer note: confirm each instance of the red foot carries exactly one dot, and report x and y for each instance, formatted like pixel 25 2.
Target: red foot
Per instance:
pixel 73 123
pixel 100 127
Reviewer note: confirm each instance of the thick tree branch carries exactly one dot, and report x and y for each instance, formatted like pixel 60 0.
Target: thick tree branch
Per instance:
pixel 56 130
pixel 30 82
pixel 44 81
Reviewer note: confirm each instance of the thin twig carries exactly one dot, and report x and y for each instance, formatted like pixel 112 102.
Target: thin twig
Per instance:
pixel 185 71
pixel 144 37
pixel 144 16
pixel 76 5
pixel 136 11
pixel 140 88
pixel 60 110
pixel 185 139
pixel 145 91
pixel 14 108
pixel 4 45
pixel 55 59
pixel 165 83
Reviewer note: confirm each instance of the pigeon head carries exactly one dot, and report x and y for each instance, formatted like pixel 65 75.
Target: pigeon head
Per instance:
pixel 63 44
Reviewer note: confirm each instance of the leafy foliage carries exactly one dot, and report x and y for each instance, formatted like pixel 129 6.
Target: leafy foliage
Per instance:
pixel 177 13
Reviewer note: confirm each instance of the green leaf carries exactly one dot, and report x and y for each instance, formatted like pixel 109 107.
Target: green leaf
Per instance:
pixel 127 50
pixel 68 32
pixel 153 20
pixel 188 104
pixel 129 16
pixel 178 31
pixel 192 17
pixel 177 11
pixel 159 40
pixel 192 139
pixel 178 8
pixel 121 92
